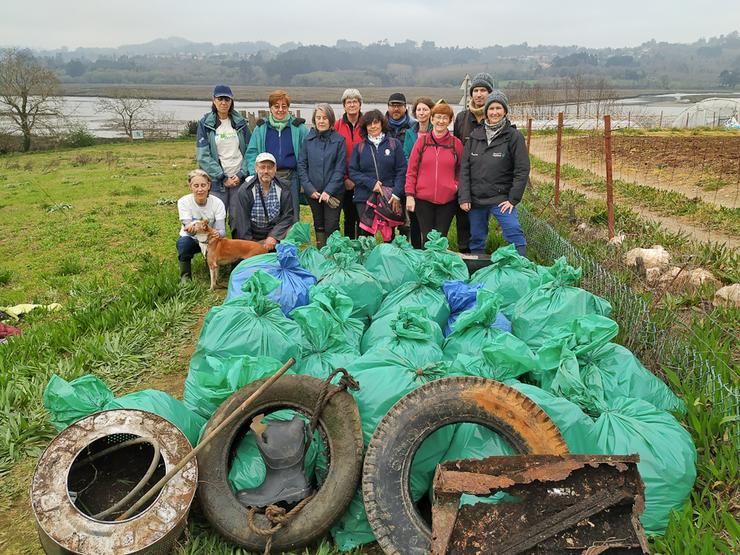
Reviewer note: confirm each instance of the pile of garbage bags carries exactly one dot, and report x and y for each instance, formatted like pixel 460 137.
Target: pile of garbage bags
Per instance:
pixel 397 318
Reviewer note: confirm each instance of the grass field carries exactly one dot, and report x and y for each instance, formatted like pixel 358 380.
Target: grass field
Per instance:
pixel 94 229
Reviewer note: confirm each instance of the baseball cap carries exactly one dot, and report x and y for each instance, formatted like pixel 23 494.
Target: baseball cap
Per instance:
pixel 265 157
pixel 397 98
pixel 223 90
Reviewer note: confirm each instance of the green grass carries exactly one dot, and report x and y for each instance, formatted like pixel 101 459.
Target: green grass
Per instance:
pixel 667 203
pixel 708 523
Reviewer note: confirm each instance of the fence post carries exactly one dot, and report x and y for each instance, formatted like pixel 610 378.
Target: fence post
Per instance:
pixel 558 148
pixel 660 125
pixel 529 133
pixel 687 121
pixel 629 117
pixel 608 160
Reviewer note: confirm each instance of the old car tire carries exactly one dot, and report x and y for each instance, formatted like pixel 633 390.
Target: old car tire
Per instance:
pixel 391 512
pixel 339 425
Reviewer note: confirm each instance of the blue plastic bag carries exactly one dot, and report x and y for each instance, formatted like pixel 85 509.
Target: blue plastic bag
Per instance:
pixel 461 297
pixel 294 280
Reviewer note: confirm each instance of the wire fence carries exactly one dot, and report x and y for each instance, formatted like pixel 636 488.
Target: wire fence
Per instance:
pixel 659 350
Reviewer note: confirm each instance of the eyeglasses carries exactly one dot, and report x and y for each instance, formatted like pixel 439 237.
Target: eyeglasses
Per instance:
pixel 440 117
pixel 223 99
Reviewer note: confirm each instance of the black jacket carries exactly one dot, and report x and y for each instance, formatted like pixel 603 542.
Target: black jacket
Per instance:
pixel 465 122
pixel 245 199
pixel 491 174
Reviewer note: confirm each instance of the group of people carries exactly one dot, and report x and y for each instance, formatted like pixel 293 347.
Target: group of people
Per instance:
pixel 412 164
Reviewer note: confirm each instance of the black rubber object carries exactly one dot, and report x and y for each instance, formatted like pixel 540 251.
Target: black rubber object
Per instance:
pixel 475 262
pixel 396 523
pixel 340 428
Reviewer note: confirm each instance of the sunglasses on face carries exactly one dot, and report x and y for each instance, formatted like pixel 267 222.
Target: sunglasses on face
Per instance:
pixel 223 99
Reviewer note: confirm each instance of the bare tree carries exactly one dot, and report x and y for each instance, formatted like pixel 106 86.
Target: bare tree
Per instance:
pixel 29 95
pixel 130 111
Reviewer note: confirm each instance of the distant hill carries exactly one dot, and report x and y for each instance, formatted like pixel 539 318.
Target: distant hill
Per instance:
pixel 177 60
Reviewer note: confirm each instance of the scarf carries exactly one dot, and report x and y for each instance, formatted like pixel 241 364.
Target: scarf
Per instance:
pixel 493 130
pixel 398 123
pixel 477 112
pixel 278 124
pixel 376 140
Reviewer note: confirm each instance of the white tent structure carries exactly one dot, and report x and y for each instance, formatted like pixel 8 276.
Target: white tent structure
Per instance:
pixel 712 112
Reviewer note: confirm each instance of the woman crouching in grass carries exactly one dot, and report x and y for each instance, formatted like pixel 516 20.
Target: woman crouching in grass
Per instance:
pixel 198 206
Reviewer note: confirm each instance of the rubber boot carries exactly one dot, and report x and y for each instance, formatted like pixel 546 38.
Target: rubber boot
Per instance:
pixel 185 271
pixel 282 448
pixel 522 250
pixel 320 239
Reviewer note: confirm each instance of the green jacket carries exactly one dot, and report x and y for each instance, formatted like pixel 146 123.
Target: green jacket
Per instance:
pixel 412 133
pixel 257 142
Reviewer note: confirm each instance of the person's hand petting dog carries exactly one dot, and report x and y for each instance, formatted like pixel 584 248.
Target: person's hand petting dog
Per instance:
pixel 270 243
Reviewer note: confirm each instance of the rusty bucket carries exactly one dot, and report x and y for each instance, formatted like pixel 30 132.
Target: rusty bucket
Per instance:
pixel 91 465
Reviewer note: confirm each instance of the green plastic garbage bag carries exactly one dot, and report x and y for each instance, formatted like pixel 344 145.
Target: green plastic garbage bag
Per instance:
pixel 248 469
pixel 353 529
pixel 536 315
pixel 166 406
pixel 473 328
pixel 393 264
pixel 324 348
pixel 502 358
pixel 409 332
pixel 308 256
pixel 363 246
pixel 212 379
pixel 251 324
pixel 68 402
pixel 667 455
pixel 340 308
pixel 384 378
pixel 510 275
pixel 580 364
pixel 425 292
pixel 449 266
pixel 336 244
pixel 353 280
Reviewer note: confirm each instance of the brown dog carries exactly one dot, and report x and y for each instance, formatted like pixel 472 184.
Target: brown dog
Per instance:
pixel 225 251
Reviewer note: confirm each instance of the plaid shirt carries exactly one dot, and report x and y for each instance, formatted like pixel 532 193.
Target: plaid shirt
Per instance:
pixel 272 202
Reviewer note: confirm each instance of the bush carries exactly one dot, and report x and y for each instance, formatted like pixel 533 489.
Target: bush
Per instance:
pixel 79 136
pixel 5 276
pixel 190 129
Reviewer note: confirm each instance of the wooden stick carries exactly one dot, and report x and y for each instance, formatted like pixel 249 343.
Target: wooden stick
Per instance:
pixel 187 458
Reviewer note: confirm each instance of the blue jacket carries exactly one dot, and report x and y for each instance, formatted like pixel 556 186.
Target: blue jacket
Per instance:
pixel 412 133
pixel 206 153
pixel 257 144
pixel 321 163
pixel 391 164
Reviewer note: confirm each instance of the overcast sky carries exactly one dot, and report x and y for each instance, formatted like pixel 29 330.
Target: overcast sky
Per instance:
pixel 591 23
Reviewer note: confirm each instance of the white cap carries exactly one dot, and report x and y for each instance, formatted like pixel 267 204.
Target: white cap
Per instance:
pixel 265 157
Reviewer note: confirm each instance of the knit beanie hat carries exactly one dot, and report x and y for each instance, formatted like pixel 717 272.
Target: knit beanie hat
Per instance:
pixel 496 96
pixel 482 80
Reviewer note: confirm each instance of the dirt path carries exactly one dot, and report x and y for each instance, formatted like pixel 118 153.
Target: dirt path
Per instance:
pixel 653 168
pixel 673 224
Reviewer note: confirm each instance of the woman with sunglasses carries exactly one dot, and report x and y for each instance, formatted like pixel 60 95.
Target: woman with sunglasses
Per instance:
pixel 220 144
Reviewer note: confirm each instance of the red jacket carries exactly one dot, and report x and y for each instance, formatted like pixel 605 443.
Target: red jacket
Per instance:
pixel 351 138
pixel 434 178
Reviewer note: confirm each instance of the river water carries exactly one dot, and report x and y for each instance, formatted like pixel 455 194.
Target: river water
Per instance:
pixel 626 111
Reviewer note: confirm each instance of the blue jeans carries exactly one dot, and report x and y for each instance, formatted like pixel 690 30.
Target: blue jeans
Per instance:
pixel 187 247
pixel 509 223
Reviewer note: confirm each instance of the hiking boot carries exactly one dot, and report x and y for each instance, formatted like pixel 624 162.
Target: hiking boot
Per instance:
pixel 320 239
pixel 522 250
pixel 282 446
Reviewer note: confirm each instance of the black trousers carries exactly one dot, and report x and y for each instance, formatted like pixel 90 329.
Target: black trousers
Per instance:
pixel 324 218
pixel 351 219
pixel 462 222
pixel 434 216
